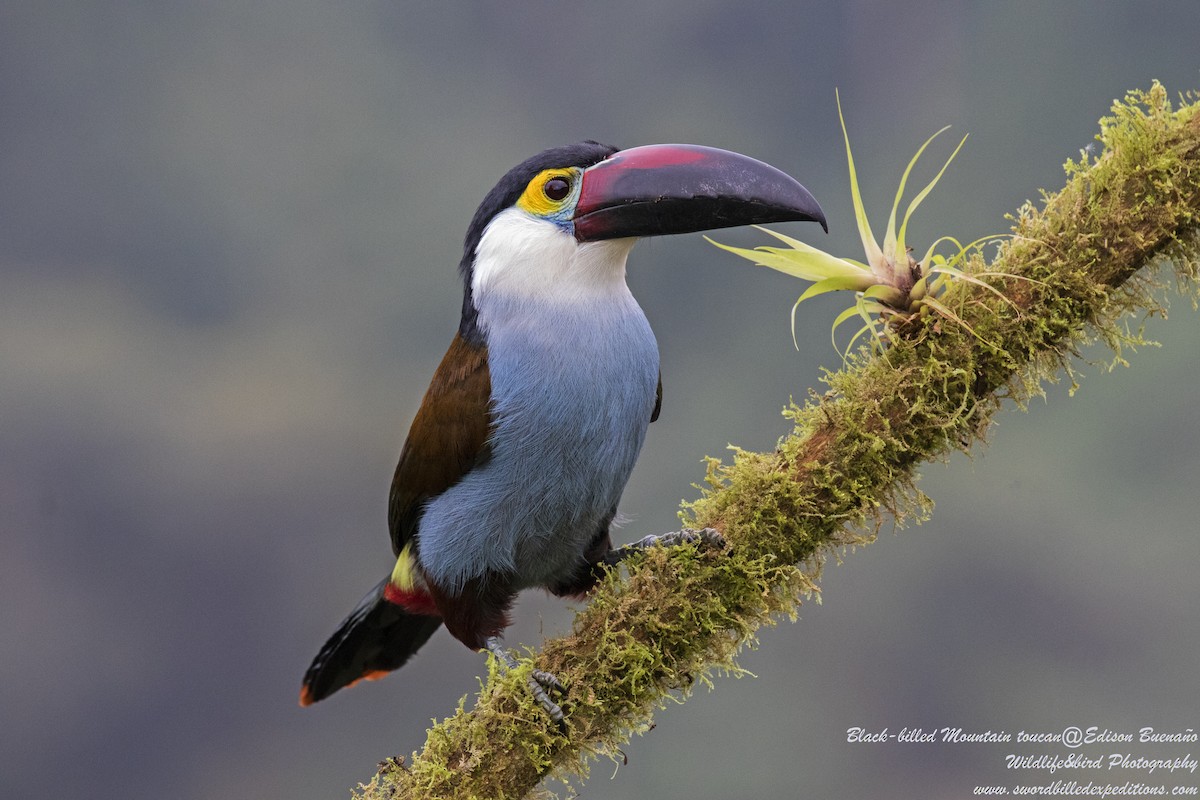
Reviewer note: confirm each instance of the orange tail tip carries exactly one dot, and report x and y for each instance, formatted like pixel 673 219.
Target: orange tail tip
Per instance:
pixel 306 697
pixel 379 636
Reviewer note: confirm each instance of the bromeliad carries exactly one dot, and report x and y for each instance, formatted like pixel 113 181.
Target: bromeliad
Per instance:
pixel 890 284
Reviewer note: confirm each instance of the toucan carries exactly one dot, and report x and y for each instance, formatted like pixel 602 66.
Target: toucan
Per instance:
pixel 518 455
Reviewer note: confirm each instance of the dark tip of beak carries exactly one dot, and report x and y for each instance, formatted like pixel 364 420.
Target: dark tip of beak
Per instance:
pixel 662 189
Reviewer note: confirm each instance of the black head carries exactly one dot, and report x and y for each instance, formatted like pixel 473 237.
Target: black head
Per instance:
pixel 592 192
pixel 506 192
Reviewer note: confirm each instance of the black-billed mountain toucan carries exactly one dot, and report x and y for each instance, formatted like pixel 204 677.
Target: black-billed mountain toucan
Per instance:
pixel 520 451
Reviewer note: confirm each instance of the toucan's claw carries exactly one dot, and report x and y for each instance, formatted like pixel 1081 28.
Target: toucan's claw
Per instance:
pixel 548 681
pixel 540 681
pixel 710 537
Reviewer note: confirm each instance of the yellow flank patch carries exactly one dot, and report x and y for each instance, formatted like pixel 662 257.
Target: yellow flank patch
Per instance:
pixel 534 199
pixel 403 577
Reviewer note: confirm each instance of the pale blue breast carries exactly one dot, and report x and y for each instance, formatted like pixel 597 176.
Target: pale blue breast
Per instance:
pixel 573 390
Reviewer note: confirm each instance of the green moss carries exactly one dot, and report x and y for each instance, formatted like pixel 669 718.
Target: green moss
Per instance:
pixel 1073 272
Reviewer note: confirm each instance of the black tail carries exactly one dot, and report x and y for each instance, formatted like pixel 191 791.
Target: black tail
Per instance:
pixel 375 639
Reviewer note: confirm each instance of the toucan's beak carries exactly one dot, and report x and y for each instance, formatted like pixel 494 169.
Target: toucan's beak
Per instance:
pixel 660 189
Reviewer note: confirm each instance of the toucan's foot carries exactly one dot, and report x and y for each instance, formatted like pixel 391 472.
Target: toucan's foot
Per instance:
pixel 707 536
pixel 540 681
pixel 549 682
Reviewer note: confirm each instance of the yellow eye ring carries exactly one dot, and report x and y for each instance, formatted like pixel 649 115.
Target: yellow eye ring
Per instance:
pixel 549 191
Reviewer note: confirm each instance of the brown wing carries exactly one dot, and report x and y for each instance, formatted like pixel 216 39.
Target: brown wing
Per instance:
pixel 448 437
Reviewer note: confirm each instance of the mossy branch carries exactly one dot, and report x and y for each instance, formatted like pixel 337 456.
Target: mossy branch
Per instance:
pixel 1079 269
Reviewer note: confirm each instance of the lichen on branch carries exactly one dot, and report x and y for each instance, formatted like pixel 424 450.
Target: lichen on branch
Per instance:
pixel 1074 271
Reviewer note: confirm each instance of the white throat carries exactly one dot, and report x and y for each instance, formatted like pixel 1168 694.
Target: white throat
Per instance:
pixel 522 257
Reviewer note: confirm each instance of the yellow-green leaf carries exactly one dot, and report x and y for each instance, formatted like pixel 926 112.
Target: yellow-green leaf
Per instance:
pixel 807 263
pixel 889 240
pixel 870 247
pixel 888 295
pixel 924 193
pixel 838 283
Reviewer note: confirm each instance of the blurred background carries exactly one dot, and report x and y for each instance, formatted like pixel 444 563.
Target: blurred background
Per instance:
pixel 228 240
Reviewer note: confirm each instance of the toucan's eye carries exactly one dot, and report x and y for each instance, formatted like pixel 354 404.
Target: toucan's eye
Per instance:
pixel 557 189
pixel 548 194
